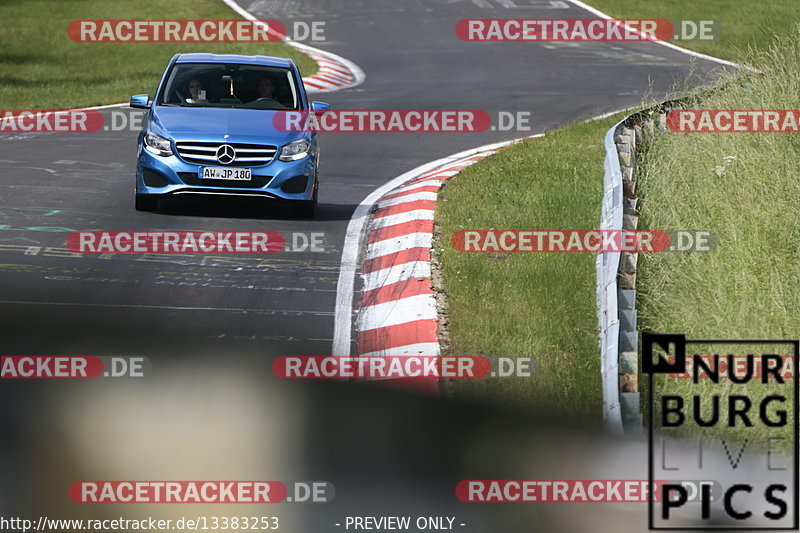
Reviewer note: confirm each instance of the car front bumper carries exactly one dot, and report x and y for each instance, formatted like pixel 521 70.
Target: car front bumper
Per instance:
pixel 171 176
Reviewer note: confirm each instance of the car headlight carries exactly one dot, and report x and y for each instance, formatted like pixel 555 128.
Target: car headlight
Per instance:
pixel 295 150
pixel 157 144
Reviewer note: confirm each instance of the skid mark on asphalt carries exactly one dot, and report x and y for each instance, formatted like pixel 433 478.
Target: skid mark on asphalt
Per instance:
pixel 243 311
pixel 240 264
pixel 184 277
pixel 292 8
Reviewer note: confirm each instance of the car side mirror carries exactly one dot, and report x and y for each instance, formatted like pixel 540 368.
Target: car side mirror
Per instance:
pixel 141 101
pixel 320 106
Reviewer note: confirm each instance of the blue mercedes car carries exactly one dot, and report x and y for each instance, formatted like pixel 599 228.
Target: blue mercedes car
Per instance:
pixel 210 131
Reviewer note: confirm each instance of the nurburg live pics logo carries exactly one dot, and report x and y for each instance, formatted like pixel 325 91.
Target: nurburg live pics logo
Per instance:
pixel 734 423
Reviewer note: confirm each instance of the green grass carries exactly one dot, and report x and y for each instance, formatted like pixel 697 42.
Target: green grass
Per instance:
pixel 743 24
pixel 539 305
pixel 745 188
pixel 41 68
pixel 543 305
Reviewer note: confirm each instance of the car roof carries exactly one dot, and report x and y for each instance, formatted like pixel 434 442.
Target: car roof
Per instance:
pixel 268 61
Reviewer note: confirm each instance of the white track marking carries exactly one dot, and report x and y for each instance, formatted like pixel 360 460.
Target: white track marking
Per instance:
pixel 602 15
pixel 358 74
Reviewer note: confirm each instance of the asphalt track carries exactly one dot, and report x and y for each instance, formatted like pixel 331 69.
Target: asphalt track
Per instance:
pixel 282 303
pixel 180 307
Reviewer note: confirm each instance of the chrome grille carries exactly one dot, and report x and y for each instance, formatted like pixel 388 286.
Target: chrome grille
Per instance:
pixel 204 153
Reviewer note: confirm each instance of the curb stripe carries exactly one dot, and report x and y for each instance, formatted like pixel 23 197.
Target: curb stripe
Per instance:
pixel 411 240
pixel 398 230
pixel 414 196
pixel 426 386
pixel 404 208
pixel 403 256
pixel 307 81
pixel 413 190
pixel 416 332
pixel 412 186
pixel 395 291
pixel 395 273
pixel 333 67
pixel 444 174
pixel 333 78
pixel 436 177
pixel 398 312
pixel 393 220
pixel 422 348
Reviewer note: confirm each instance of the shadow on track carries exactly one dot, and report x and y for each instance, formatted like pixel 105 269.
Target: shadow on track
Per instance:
pixel 257 209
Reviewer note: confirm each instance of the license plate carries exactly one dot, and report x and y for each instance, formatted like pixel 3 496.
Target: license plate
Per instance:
pixel 224 173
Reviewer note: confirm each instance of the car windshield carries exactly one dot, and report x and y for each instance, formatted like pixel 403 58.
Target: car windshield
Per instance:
pixel 230 85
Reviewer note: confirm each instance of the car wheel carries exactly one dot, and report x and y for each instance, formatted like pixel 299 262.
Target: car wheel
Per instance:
pixel 146 202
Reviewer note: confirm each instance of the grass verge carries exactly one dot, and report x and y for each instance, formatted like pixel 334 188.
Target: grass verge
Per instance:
pixel 543 305
pixel 539 305
pixel 41 68
pixel 743 24
pixel 743 187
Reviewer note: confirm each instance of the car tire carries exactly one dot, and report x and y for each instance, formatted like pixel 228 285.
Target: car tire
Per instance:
pixel 146 202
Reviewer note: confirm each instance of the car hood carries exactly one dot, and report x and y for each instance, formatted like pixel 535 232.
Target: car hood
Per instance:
pixel 214 124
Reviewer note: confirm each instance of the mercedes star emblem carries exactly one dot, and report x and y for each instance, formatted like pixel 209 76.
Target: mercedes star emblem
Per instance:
pixel 226 154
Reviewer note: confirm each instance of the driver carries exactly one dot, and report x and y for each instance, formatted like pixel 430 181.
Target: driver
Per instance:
pixel 265 88
pixel 197 91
